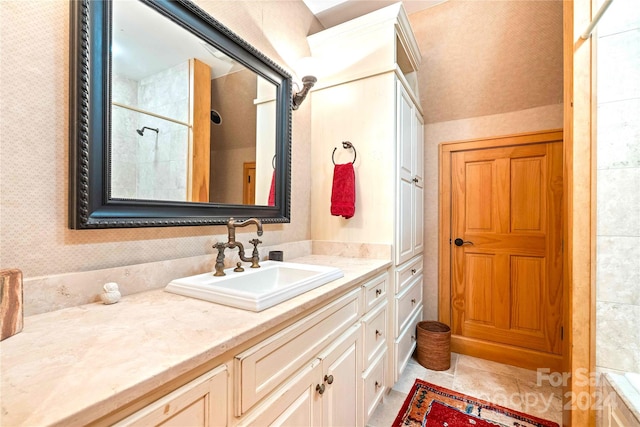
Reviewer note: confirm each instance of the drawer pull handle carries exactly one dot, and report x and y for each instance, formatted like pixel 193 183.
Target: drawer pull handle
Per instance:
pixel 378 385
pixel 328 379
pixel 413 300
pixel 320 388
pixel 378 292
pixel 413 271
pixel 378 333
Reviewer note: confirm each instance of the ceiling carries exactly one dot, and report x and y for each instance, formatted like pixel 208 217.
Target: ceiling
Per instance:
pixel 334 12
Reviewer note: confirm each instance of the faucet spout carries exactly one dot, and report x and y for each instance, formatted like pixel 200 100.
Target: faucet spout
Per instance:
pixel 232 224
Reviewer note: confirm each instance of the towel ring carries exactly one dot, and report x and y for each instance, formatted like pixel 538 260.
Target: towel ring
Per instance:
pixel 273 162
pixel 346 145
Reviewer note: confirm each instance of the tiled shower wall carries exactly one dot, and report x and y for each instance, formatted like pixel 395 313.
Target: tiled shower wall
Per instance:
pixel 152 166
pixel 618 184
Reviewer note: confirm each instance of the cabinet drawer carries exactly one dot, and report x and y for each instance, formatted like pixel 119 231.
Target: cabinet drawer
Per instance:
pixel 405 344
pixel 202 402
pixel 375 333
pixel 261 368
pixel 374 385
pixel 404 274
pixel 375 291
pixel 407 303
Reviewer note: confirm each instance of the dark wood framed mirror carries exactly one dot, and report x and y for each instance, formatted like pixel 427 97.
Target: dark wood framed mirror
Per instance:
pixel 174 119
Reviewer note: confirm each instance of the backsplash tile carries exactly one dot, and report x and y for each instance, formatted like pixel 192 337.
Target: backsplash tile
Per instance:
pixel 50 293
pixel 352 250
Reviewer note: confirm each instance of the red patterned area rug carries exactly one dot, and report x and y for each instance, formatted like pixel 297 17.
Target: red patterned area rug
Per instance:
pixel 430 406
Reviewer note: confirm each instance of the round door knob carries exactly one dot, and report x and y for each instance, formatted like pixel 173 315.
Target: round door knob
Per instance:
pixel 320 388
pixel 328 379
pixel 460 242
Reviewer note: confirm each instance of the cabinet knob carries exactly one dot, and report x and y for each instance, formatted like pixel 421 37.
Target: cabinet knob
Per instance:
pixel 320 388
pixel 413 271
pixel 413 338
pixel 378 292
pixel 378 385
pixel 378 333
pixel 413 300
pixel 328 379
pixel 415 179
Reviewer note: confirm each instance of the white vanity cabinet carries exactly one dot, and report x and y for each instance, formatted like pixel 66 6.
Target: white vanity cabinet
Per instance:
pixel 201 402
pixel 325 369
pixel 375 330
pixel 325 392
pixel 371 100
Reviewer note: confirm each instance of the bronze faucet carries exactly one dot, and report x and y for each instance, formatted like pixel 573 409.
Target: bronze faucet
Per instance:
pixel 231 227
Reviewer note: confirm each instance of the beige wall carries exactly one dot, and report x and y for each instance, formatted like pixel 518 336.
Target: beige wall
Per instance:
pixel 488 57
pixel 34 235
pixel 488 68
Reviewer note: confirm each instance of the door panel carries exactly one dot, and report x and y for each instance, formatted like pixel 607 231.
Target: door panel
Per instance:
pixel 506 277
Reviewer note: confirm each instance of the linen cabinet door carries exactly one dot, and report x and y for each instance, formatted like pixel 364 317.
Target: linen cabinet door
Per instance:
pixel 341 385
pixel 418 183
pixel 404 167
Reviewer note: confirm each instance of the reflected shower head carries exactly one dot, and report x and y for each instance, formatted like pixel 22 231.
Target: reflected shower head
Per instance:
pixel 141 131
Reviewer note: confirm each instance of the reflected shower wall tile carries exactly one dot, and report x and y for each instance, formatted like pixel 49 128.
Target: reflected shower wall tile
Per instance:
pixel 123 180
pixel 618 269
pixel 124 90
pixel 619 134
pixel 619 61
pixel 618 211
pixel 622 15
pixel 147 148
pixel 618 336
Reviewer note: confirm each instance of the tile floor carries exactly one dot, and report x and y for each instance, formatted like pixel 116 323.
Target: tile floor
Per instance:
pixel 505 385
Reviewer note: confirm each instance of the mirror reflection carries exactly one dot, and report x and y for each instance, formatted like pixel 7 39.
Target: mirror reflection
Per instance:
pixel 188 123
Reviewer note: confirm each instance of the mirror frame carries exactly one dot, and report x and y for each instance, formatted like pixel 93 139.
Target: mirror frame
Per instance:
pixel 90 124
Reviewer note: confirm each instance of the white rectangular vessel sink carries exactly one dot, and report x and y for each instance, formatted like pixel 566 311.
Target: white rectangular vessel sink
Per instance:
pixel 255 289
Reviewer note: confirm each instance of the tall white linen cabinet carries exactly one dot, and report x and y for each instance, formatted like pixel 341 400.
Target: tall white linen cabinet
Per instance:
pixel 367 94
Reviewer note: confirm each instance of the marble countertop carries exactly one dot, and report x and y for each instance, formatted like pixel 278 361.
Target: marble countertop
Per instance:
pixel 75 365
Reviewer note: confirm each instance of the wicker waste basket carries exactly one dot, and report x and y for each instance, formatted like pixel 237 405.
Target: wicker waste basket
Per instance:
pixel 434 345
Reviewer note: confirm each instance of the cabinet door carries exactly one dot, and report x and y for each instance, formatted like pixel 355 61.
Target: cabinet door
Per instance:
pixel 341 383
pixel 202 402
pixel 296 403
pixel 405 193
pixel 418 184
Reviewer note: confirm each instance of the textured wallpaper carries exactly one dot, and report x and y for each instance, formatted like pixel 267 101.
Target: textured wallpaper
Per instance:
pixel 34 87
pixel 488 57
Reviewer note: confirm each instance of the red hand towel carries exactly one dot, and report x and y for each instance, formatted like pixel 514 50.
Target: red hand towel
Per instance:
pixel 343 192
pixel 272 190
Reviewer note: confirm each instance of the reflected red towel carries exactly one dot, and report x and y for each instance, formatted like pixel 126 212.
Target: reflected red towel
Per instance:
pixel 272 190
pixel 343 192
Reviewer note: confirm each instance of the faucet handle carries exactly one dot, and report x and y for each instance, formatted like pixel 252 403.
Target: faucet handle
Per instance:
pixel 255 255
pixel 219 267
